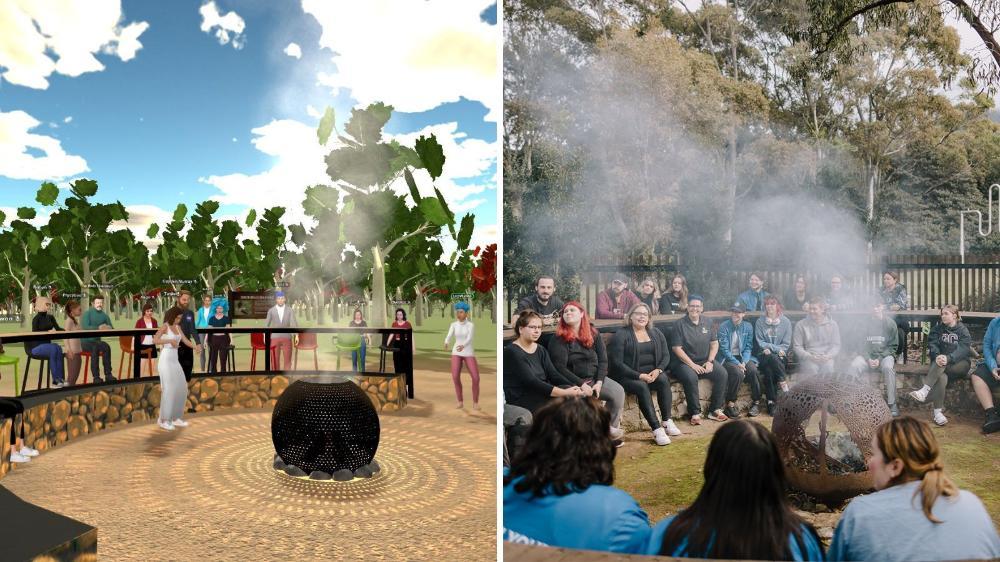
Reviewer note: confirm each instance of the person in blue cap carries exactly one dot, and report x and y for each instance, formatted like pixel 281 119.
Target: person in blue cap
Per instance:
pixel 461 331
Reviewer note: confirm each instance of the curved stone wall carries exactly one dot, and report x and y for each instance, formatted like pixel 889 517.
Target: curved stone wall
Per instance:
pixel 71 416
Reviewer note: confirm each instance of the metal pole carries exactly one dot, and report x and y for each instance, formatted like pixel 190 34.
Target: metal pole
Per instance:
pixel 267 352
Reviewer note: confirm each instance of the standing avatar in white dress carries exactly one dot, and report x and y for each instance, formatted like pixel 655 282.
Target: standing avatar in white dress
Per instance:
pixel 173 385
pixel 462 332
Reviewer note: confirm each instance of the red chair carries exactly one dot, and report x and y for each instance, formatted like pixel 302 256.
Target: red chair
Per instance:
pixel 307 341
pixel 257 344
pixel 125 342
pixel 86 365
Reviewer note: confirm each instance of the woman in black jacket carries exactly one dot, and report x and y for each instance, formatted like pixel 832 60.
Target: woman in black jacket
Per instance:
pixel 578 353
pixel 950 347
pixel 529 378
pixel 637 356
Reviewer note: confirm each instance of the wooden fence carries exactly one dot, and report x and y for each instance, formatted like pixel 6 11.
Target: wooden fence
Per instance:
pixel 931 281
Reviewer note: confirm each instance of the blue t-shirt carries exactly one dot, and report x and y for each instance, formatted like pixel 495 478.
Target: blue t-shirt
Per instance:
pixel 813 549
pixel 598 518
pixel 863 533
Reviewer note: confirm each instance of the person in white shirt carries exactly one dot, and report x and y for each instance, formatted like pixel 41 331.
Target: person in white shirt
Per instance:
pixel 462 332
pixel 281 316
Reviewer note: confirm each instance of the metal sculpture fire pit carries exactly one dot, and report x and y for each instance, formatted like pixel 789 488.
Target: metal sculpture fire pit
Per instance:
pixel 830 466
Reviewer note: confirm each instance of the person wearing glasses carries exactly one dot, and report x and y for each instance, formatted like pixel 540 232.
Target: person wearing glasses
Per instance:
pixel 616 300
pixel 529 377
pixel 695 344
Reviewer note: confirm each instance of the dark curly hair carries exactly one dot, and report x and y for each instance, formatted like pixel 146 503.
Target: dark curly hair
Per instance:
pixel 568 449
pixel 172 314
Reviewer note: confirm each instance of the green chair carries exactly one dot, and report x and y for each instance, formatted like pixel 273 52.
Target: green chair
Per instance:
pixel 9 360
pixel 347 342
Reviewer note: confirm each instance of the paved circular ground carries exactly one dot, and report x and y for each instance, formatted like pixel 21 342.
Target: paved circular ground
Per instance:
pixel 209 492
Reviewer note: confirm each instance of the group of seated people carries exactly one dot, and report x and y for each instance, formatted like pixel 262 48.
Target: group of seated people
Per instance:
pixel 558 491
pixel 640 358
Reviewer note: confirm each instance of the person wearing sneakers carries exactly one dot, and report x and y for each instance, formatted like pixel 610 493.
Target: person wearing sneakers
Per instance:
pixel 773 333
pixel 695 344
pixel 173 385
pixel 12 408
pixel 736 346
pixel 578 352
pixel 45 349
pixel 881 337
pixel 816 340
pixel 986 378
pixel 462 331
pixel 637 357
pixel 949 348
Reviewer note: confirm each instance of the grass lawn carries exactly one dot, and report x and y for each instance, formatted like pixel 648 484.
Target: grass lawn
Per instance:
pixel 665 479
pixel 429 338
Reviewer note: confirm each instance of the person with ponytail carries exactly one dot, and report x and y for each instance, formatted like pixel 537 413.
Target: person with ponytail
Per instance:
pixel 916 503
pixel 742 511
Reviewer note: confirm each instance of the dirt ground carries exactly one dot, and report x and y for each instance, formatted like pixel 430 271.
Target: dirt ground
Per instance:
pixel 209 492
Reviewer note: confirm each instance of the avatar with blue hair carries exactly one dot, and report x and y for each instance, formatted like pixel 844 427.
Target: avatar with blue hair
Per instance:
pixel 462 332
pixel 219 343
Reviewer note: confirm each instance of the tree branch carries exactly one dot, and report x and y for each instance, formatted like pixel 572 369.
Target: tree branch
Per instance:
pixel 424 227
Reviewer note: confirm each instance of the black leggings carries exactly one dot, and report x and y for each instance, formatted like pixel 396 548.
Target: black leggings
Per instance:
pixel 641 391
pixel 689 380
pixel 10 408
pixel 736 377
pixel 772 370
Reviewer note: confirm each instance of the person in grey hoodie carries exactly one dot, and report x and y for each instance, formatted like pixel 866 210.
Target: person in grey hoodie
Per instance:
pixel 816 340
pixel 879 352
pixel 949 346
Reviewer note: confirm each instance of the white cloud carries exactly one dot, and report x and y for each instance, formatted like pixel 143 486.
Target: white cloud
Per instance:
pixel 228 27
pixel 40 37
pixel 299 163
pixel 139 219
pixel 313 112
pixel 68 119
pixel 440 45
pixel 293 50
pixel 18 148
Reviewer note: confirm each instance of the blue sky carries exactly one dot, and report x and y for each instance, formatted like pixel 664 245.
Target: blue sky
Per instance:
pixel 184 119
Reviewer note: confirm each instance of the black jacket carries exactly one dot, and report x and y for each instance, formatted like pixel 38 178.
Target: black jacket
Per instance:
pixel 955 343
pixel 623 353
pixel 42 322
pixel 576 362
pixel 188 327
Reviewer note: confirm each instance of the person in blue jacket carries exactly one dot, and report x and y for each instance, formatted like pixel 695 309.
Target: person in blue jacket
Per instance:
pixel 742 512
pixel 753 298
pixel 736 338
pixel 558 490
pixel 986 377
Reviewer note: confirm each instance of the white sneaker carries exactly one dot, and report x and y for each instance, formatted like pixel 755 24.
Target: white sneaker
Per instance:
pixel 940 419
pixel 28 452
pixel 166 425
pixel 18 457
pixel 180 423
pixel 616 432
pixel 671 427
pixel 660 436
pixel 784 386
pixel 920 395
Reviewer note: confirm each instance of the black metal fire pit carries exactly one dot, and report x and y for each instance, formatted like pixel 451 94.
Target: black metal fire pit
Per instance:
pixel 325 430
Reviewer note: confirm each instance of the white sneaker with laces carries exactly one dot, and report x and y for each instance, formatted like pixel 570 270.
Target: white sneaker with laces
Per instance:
pixel 166 425
pixel 616 432
pixel 660 436
pixel 940 419
pixel 18 457
pixel 920 395
pixel 180 423
pixel 28 451
pixel 671 428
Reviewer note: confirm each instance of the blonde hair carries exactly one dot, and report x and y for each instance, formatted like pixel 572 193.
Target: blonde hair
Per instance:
pixel 912 442
pixel 954 310
pixel 684 290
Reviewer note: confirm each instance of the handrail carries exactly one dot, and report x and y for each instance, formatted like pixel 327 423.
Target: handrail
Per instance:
pixel 139 333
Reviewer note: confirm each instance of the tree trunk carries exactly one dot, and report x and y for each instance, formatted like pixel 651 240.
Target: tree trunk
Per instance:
pixel 85 289
pixel 25 295
pixel 378 314
pixel 320 304
pixel 418 317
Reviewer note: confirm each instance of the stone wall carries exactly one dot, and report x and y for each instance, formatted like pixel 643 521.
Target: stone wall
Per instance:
pixel 75 415
pixel 959 397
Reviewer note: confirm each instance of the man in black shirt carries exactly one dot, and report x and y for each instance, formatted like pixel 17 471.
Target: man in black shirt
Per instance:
pixel 45 349
pixel 544 301
pixel 185 355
